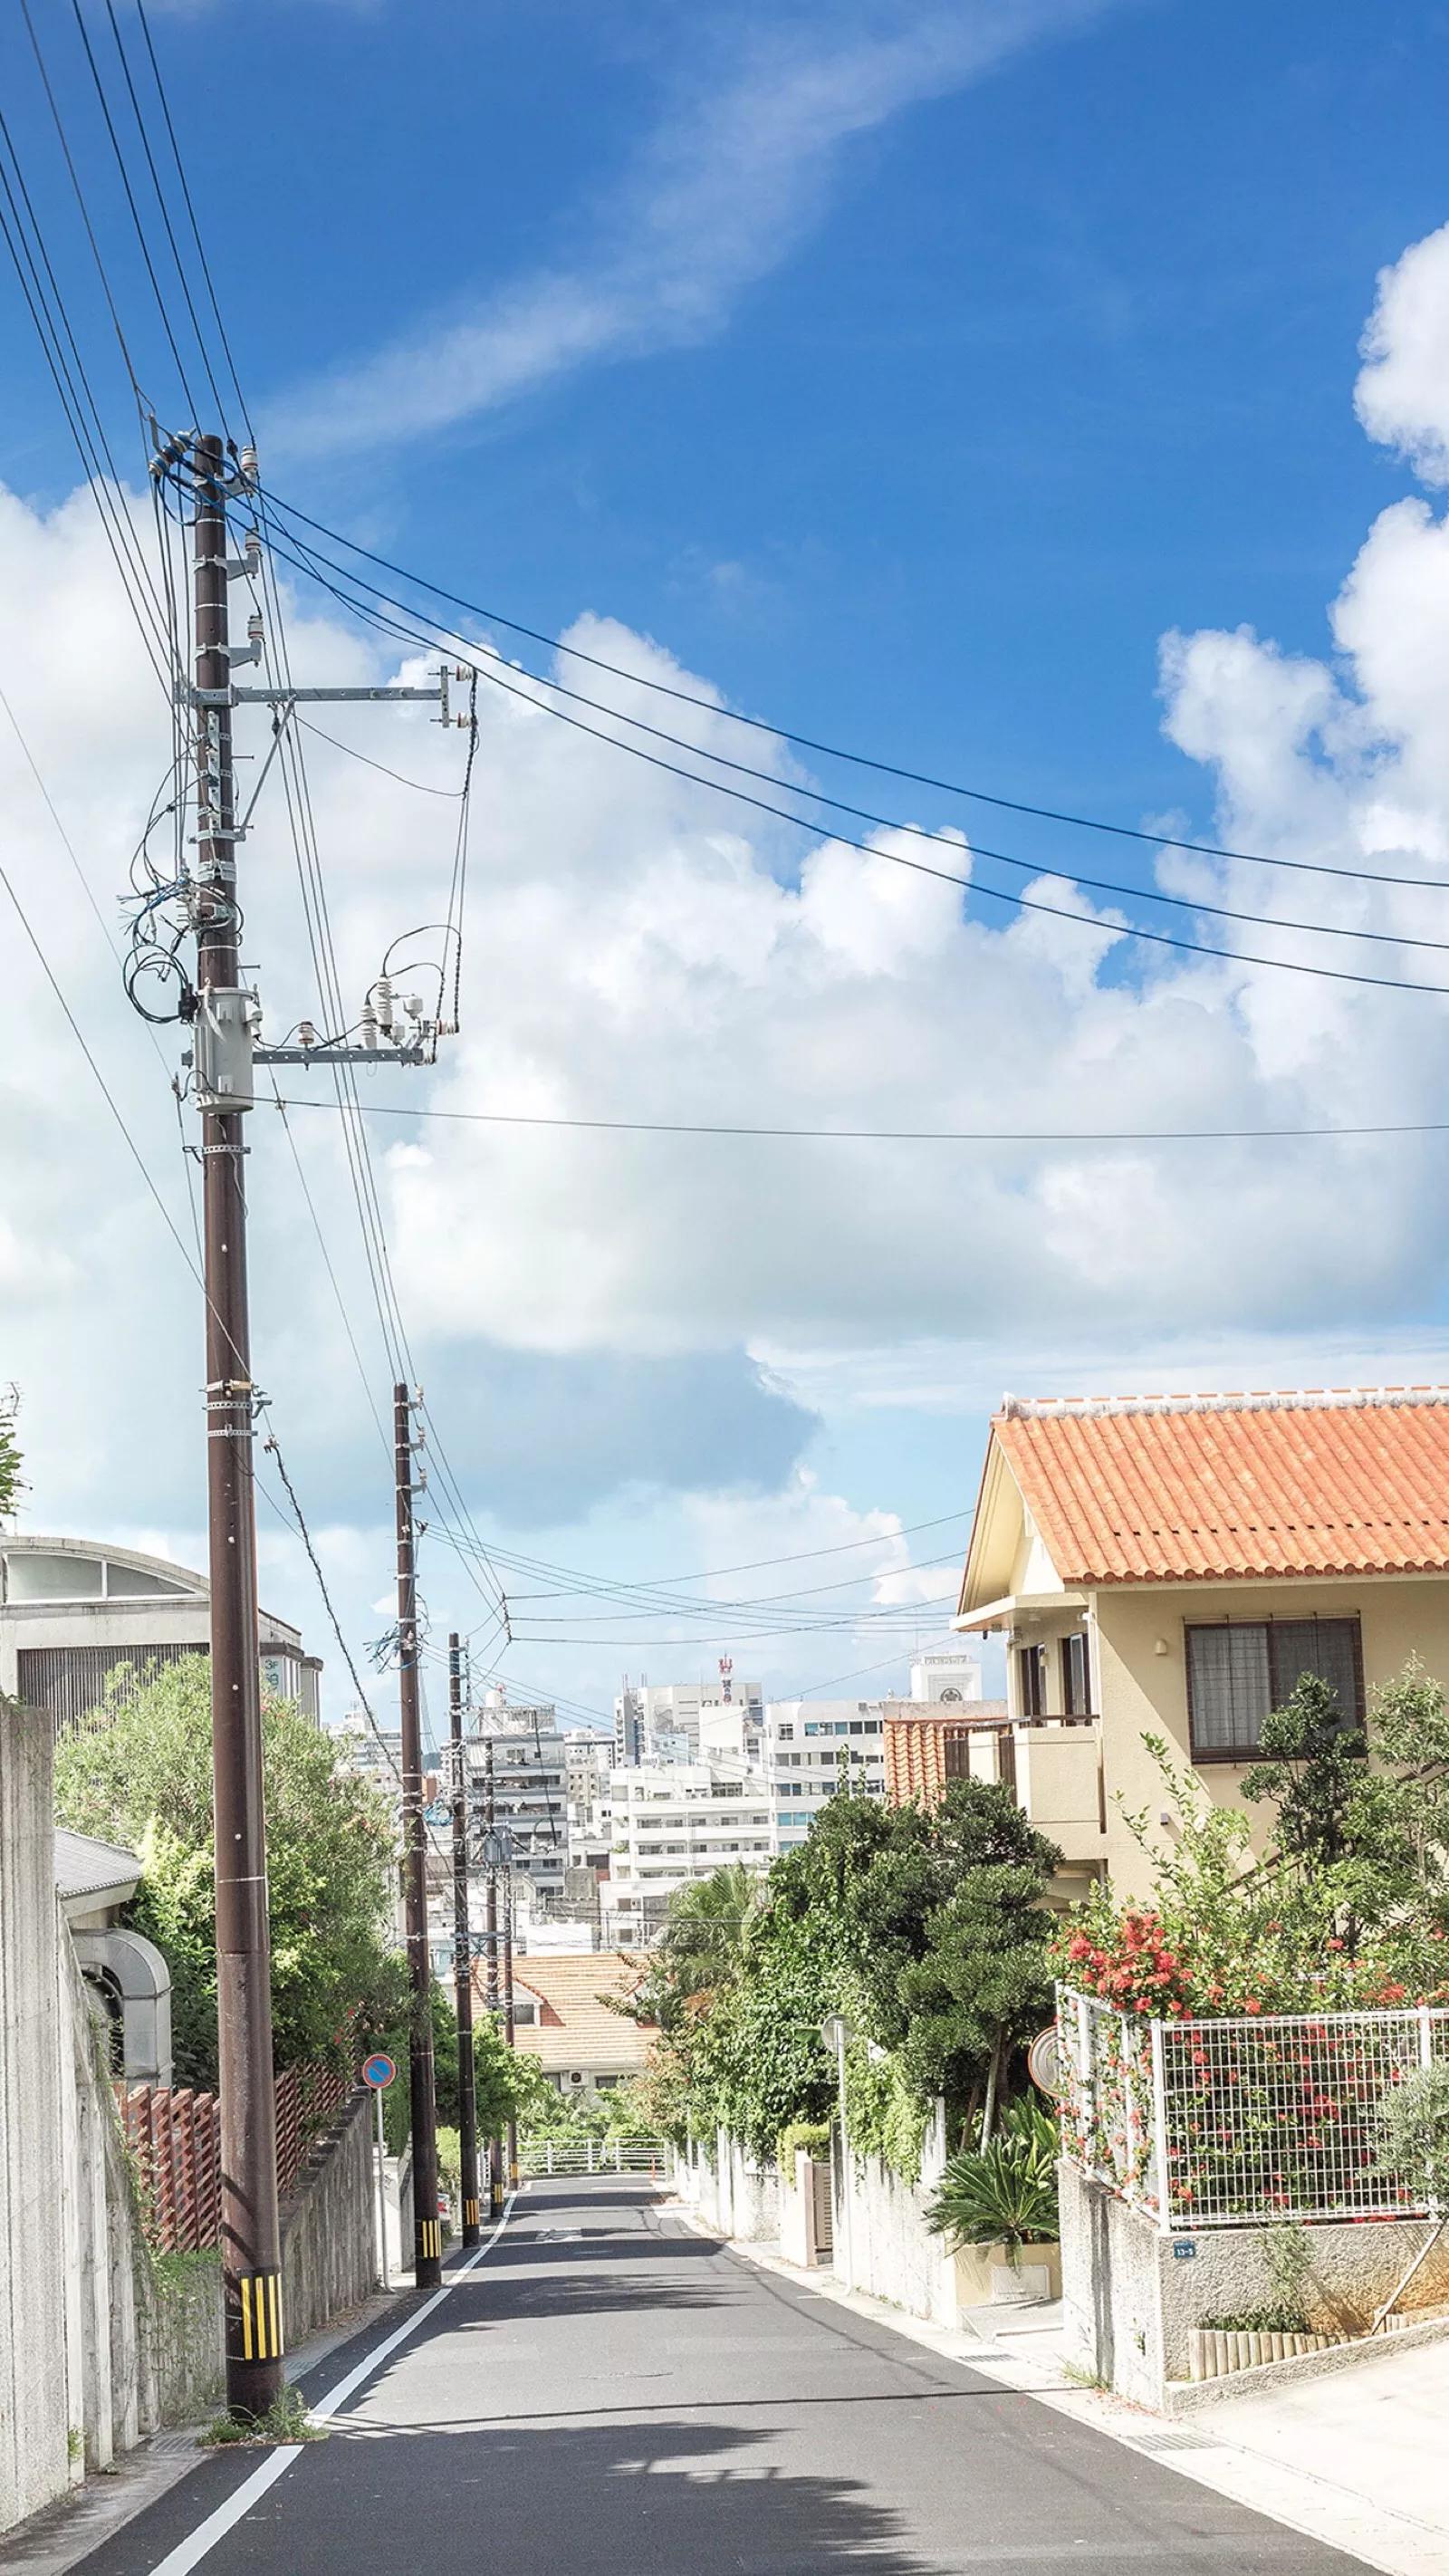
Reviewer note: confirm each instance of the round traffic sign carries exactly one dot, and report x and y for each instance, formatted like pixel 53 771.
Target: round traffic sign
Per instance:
pixel 378 2071
pixel 1044 2063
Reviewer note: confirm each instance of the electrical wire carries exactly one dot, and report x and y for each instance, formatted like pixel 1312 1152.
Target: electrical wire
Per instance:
pixel 1091 923
pixel 805 742
pixel 892 1135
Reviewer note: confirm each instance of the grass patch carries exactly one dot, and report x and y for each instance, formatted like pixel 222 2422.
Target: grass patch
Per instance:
pixel 286 2420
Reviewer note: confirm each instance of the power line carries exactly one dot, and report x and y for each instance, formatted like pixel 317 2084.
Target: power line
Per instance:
pixel 892 1135
pixel 1091 923
pixel 805 742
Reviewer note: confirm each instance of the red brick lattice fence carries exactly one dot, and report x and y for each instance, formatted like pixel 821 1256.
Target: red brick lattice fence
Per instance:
pixel 174 2137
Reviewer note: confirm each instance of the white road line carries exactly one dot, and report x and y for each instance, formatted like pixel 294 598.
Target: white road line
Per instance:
pixel 190 2552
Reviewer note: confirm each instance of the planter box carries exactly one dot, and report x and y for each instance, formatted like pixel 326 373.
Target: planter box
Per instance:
pixel 987 2277
pixel 1215 2353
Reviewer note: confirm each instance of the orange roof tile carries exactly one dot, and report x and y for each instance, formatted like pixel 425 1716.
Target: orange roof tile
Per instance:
pixel 1160 1489
pixel 575 2028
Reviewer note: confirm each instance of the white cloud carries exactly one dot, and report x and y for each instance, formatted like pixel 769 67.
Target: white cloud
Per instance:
pixel 638 949
pixel 720 194
pixel 1403 392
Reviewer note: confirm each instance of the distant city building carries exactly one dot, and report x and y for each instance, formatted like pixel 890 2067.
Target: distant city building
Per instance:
pixel 693 1718
pixel 674 1823
pixel 530 1787
pixel 75 1611
pixel 814 1747
pixel 948 1676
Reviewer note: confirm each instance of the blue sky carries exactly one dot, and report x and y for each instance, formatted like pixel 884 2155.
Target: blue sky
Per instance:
pixel 906 373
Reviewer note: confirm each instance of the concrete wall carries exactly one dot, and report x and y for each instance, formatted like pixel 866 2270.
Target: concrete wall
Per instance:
pixel 733 2190
pixel 882 2243
pixel 329 2227
pixel 1131 2296
pixel 35 2379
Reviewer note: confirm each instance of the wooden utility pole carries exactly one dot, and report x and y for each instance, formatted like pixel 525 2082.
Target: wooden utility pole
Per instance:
pixel 427 2227
pixel 463 1957
pixel 495 2143
pixel 251 2243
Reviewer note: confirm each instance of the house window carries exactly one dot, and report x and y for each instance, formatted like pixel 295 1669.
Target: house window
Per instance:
pixel 1238 1671
pixel 956 1753
pixel 1031 1679
pixel 1076 1675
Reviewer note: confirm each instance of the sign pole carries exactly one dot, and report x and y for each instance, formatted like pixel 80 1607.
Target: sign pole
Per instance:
pixel 381 2194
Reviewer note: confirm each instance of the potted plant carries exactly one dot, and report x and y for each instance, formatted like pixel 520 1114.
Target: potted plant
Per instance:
pixel 994 2204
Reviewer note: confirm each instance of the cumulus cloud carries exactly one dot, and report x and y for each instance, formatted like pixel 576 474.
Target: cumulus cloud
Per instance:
pixel 1403 392
pixel 608 1315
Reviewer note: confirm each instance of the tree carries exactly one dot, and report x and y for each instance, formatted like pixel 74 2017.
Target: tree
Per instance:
pixel 9 1458
pixel 983 1981
pixel 142 1777
pixel 503 2079
pixel 1312 1771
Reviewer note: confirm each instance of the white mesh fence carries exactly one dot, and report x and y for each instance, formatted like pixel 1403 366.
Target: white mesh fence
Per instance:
pixel 1223 2123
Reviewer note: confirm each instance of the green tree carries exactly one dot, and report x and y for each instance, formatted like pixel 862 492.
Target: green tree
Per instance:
pixel 504 2080
pixel 1312 1772
pixel 9 1458
pixel 142 1777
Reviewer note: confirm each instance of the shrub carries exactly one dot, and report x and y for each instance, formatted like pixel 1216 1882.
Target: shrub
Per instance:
pixel 813 2136
pixel 1005 2193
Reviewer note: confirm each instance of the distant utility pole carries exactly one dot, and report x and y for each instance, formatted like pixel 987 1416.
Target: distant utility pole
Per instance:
pixel 463 1956
pixel 495 2143
pixel 251 2237
pixel 427 2226
pixel 508 2025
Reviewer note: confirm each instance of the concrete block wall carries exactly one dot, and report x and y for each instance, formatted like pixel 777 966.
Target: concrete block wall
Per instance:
pixel 37 2366
pixel 1131 2296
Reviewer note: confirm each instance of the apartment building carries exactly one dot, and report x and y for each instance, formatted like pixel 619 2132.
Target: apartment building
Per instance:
pixel 673 1823
pixel 688 1721
pixel 814 1747
pixel 1170 1565
pixel 529 1788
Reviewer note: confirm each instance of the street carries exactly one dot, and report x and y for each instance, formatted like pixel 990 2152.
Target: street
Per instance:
pixel 611 2391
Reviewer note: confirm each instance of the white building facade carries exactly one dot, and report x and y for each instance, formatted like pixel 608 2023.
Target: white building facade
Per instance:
pixel 814 1747
pixel 675 1823
pixel 688 1721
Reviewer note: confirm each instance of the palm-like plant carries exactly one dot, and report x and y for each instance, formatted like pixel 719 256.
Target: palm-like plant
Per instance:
pixel 1005 2193
pixel 707 1927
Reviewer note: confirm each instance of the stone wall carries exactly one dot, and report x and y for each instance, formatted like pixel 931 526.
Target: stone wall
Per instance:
pixel 1132 2296
pixel 329 2227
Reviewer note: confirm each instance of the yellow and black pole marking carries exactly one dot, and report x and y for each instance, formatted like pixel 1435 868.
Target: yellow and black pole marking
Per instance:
pixel 470 2213
pixel 254 2318
pixel 430 2240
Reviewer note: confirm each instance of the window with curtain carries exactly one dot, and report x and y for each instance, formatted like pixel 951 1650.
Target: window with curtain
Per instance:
pixel 1240 1669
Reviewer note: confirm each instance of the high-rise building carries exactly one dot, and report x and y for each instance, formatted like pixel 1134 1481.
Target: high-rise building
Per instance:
pixel 530 1787
pixel 724 1715
pixel 674 1823
pixel 814 1747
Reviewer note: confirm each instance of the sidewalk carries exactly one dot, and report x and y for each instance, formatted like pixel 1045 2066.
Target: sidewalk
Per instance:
pixel 1355 2460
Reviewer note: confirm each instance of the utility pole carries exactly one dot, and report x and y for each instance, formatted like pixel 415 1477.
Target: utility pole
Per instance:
pixel 463 1957
pixel 495 2143
pixel 508 2027
pixel 225 1049
pixel 427 2227
pixel 251 2239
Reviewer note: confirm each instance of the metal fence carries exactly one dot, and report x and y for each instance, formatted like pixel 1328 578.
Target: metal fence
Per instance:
pixel 1234 2123
pixel 539 2157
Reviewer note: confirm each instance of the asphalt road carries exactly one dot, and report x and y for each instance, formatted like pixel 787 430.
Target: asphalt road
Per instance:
pixel 610 2391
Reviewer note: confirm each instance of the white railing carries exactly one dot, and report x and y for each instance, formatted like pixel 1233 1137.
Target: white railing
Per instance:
pixel 539 2157
pixel 1235 2123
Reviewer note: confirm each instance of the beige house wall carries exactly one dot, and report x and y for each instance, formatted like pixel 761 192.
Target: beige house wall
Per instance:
pixel 1141 1677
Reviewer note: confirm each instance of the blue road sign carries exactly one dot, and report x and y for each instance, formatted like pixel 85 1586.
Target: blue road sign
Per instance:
pixel 378 2071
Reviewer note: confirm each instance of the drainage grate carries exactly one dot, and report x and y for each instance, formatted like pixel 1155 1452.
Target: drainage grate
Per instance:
pixel 1170 2442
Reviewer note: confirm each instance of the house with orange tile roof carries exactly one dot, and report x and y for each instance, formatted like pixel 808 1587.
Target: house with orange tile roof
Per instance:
pixel 1169 1565
pixel 565 2016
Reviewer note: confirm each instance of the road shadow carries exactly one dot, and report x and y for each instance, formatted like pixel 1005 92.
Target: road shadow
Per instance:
pixel 670 2497
pixel 576 2292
